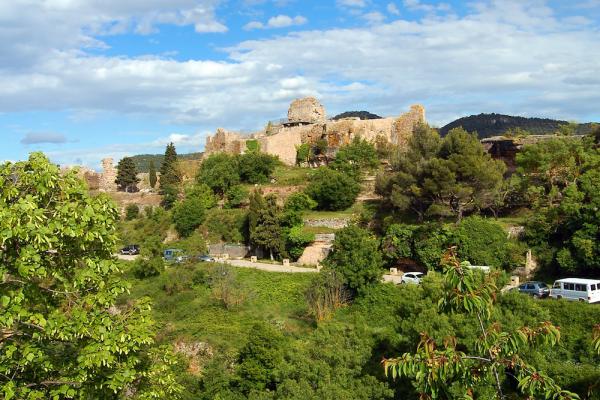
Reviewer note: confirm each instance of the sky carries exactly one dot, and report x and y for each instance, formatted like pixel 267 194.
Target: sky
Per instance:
pixel 87 79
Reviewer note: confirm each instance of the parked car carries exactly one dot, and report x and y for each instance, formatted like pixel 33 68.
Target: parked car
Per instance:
pixel 535 288
pixel 205 258
pixel 412 277
pixel 587 290
pixel 131 250
pixel 171 255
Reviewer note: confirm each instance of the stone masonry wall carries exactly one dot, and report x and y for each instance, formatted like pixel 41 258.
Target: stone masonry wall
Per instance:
pixel 109 174
pixel 395 130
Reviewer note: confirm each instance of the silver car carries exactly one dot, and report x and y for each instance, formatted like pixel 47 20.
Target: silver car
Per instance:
pixel 535 288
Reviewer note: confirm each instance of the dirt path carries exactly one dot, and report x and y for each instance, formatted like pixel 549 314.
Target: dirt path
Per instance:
pixel 270 267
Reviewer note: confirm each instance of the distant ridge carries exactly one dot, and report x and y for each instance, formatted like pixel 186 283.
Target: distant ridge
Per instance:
pixel 357 114
pixel 142 161
pixel 488 125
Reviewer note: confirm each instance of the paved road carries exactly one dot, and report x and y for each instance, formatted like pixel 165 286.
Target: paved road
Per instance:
pixel 269 267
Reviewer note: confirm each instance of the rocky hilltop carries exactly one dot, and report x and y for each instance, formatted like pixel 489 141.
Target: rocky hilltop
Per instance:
pixel 307 124
pixel 488 125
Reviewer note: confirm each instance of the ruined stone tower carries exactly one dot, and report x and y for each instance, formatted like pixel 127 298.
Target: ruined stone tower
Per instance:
pixel 109 174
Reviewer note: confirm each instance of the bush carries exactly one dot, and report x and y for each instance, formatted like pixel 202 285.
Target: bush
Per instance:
pixel 255 167
pixel 220 172
pixel 355 255
pixel 297 240
pixel 484 242
pixel 147 268
pixel 236 197
pixel 132 211
pixel 188 215
pixel 299 201
pixel 229 226
pixel 325 294
pixel 226 287
pixel 332 190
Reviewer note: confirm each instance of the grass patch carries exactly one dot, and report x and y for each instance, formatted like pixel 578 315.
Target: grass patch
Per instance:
pixel 316 230
pixel 290 176
pixel 191 311
pixel 329 214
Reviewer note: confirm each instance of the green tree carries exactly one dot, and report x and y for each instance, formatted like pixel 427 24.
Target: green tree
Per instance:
pixel 268 232
pixel 62 335
pixel 447 371
pixel 355 255
pixel 189 215
pixel 257 203
pixel 356 157
pixel 169 169
pixel 152 175
pixel 302 154
pixel 332 190
pixel 220 172
pixel 259 358
pixel 132 211
pixel 236 197
pixel 442 177
pixel 127 179
pixel 296 241
pixel 256 167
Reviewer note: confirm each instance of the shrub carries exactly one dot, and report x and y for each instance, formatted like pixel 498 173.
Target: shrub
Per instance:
pixel 255 167
pixel 188 215
pixel 230 226
pixel 236 197
pixel 302 153
pixel 226 287
pixel 332 190
pixel 220 172
pixel 297 240
pixel 356 257
pixel 325 294
pixel 147 268
pixel 398 242
pixel 132 211
pixel 299 201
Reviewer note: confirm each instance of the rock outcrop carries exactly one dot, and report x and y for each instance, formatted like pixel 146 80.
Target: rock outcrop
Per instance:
pixel 306 110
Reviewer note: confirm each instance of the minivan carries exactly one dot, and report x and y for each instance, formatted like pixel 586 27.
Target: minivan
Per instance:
pixel 587 290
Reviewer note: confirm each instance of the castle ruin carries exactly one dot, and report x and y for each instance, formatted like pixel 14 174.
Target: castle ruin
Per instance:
pixel 307 123
pixel 108 176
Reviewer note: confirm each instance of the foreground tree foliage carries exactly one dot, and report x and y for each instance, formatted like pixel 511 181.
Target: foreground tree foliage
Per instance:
pixel 446 371
pixel 61 335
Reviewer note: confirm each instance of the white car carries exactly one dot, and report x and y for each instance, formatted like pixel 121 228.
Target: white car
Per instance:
pixel 412 277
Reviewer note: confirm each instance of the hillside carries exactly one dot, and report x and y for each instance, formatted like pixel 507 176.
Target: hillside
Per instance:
pixel 487 125
pixel 142 161
pixel 356 114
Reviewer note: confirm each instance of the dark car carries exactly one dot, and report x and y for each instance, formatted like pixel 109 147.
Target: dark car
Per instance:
pixel 535 289
pixel 131 250
pixel 205 258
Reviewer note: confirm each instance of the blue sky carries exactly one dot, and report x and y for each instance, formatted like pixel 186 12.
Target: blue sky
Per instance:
pixel 85 79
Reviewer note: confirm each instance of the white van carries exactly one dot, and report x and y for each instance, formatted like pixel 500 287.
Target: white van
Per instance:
pixel 576 289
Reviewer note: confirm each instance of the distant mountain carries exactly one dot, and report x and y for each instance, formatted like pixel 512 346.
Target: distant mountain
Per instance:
pixel 488 125
pixel 356 114
pixel 142 161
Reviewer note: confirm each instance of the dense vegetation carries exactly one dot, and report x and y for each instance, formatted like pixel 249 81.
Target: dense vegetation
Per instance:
pixel 143 161
pixel 77 324
pixel 356 114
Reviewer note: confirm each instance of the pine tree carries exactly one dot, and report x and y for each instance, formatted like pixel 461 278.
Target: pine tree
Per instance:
pixel 268 232
pixel 169 173
pixel 127 179
pixel 152 175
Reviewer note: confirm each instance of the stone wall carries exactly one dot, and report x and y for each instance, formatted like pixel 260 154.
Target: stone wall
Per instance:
pixel 108 176
pixel 307 124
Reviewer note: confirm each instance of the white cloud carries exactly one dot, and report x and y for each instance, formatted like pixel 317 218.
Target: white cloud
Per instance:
pixel 504 56
pixel 392 8
pixel 374 17
pixel 279 21
pixel 418 5
pixel 352 3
